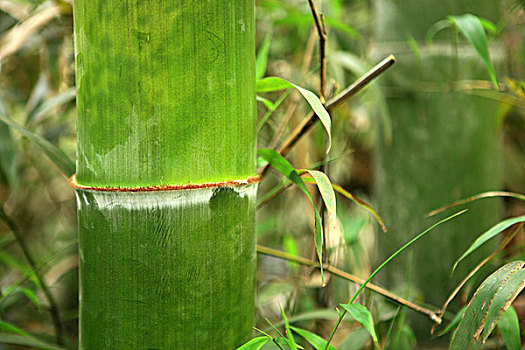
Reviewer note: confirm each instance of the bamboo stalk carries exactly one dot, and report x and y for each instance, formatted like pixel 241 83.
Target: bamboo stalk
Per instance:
pixel 166 148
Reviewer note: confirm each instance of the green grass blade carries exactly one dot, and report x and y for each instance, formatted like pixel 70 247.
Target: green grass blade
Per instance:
pixel 472 29
pixel 280 164
pixel 269 104
pixel 274 84
pixel 487 305
pixel 361 314
pixel 316 341
pixel 291 340
pixel 57 156
pixel 400 250
pixel 30 342
pixel 261 61
pixel 493 231
pixel 509 327
pixel 254 344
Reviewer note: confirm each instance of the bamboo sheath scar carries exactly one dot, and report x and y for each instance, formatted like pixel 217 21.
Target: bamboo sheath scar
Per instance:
pixel 165 177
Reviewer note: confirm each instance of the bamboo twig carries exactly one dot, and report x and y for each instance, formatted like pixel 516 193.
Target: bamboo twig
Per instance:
pixel 335 102
pixel 476 197
pixel 319 25
pixel 349 277
pixel 53 306
pixel 502 246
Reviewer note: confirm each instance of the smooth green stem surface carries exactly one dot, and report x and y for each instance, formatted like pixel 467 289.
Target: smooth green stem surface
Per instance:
pixel 168 270
pixel 165 96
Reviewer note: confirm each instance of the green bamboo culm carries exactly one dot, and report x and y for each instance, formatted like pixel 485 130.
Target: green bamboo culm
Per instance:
pixel 165 96
pixel 445 144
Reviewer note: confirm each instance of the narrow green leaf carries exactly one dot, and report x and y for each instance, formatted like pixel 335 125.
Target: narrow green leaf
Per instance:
pixel 399 251
pixel 493 231
pixel 261 61
pixel 509 327
pixel 254 344
pixel 452 325
pixel 269 104
pixel 325 188
pixel 316 341
pixel 26 341
pixel 48 105
pixel 13 289
pixel 291 340
pixel 486 307
pixel 356 200
pixel 57 156
pixel 274 84
pixel 361 314
pixel 472 29
pixel 280 164
pixel 8 327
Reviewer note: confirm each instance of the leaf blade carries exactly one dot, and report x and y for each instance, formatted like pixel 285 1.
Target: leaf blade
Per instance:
pixel 472 28
pixel 274 84
pixel 361 314
pixel 254 344
pixel 487 235
pixel 316 341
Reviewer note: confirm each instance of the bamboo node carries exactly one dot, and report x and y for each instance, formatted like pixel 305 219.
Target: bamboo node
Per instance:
pixel 155 188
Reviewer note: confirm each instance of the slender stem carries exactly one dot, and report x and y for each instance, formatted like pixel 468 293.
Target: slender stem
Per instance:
pixel 349 277
pixel 342 315
pixel 502 246
pixel 476 197
pixel 319 25
pixel 53 306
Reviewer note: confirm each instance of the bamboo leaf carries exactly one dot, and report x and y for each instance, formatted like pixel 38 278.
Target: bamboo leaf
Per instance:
pixel 493 231
pixel 361 314
pixel 280 164
pixel 274 84
pixel 291 340
pixel 472 28
pixel 325 188
pixel 254 344
pixel 356 200
pixel 509 327
pixel 261 61
pixel 487 305
pixel 27 341
pixel 316 341
pixel 57 156
pixel 269 104
pixel 12 329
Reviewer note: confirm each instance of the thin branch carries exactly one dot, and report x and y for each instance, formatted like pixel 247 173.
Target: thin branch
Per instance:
pixel 502 246
pixel 349 277
pixel 53 306
pixel 319 25
pixel 476 197
pixel 335 102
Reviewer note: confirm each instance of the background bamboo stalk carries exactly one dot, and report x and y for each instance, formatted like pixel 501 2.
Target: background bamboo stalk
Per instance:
pixel 445 144
pixel 166 96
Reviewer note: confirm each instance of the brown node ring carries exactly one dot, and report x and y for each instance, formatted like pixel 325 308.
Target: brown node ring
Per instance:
pixel 154 188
